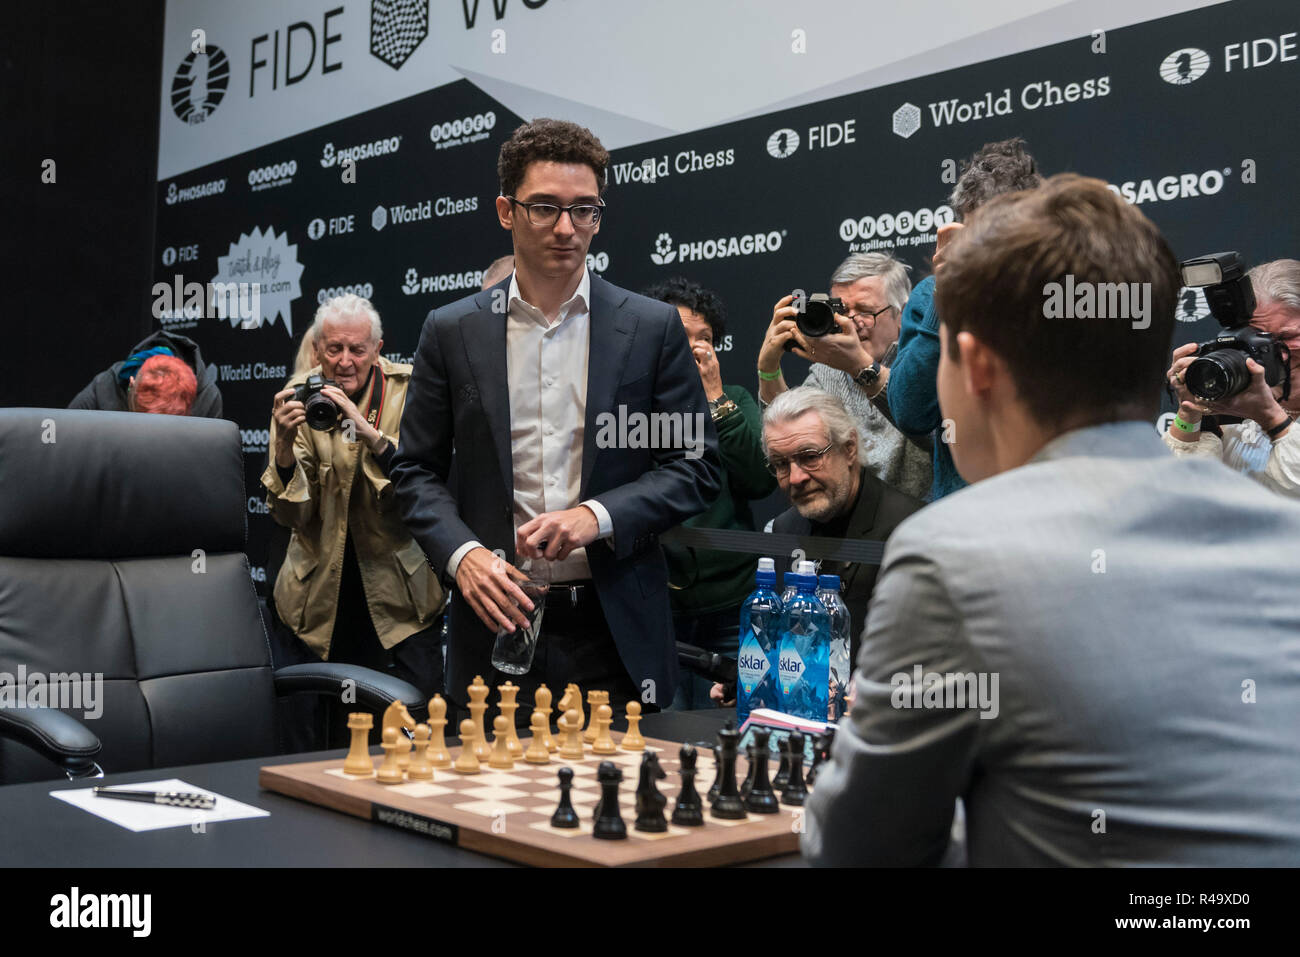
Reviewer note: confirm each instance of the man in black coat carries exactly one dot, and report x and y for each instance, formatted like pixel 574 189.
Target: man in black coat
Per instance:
pixel 108 390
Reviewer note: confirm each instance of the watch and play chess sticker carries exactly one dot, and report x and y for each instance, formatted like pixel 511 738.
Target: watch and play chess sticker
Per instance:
pixel 790 668
pixel 752 665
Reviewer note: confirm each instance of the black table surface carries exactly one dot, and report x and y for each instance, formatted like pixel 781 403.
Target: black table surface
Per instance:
pixel 37 830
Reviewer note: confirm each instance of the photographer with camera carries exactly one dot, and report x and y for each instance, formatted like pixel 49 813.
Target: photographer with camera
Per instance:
pixel 1250 372
pixel 851 338
pixel 354 587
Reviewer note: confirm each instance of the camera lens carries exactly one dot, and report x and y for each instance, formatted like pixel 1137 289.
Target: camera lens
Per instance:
pixel 321 412
pixel 817 319
pixel 1218 375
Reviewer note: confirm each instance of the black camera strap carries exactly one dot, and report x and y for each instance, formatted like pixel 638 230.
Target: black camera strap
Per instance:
pixel 376 404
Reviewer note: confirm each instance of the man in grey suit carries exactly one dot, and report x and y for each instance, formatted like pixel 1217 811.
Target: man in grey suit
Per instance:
pixel 1095 646
pixel 541 382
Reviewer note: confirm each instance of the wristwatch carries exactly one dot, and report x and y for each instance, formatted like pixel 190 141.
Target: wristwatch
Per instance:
pixel 722 405
pixel 868 376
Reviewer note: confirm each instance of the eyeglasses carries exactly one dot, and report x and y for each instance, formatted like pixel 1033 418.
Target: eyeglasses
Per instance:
pixel 868 315
pixel 810 460
pixel 546 214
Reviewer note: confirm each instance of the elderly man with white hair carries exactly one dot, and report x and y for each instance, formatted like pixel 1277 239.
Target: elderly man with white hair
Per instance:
pixel 354 586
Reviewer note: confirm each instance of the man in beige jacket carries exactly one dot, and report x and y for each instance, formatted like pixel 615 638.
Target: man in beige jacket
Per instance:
pixel 354 586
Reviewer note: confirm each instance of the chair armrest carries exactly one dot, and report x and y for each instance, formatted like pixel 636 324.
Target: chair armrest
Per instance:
pixel 375 690
pixel 57 736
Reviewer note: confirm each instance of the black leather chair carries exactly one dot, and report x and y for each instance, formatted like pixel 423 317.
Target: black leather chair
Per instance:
pixel 121 556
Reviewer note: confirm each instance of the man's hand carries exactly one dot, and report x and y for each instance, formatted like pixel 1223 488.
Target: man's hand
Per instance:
pixel 1257 401
pixel 841 350
pixel 706 360
pixel 488 584
pixel 717 693
pixel 780 330
pixel 553 535
pixel 943 236
pixel 288 416
pixel 364 431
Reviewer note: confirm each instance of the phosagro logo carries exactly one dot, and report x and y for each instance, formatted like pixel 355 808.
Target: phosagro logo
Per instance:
pixel 187 193
pixel 470 129
pixel 723 247
pixel 397 27
pixel 199 85
pixel 1184 66
pixel 782 143
pixel 277 174
pixel 329 156
pixel 1182 186
pixel 413 283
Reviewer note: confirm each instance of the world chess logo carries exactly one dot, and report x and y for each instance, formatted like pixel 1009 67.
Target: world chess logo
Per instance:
pixel 412 284
pixel 663 253
pixel 200 84
pixel 782 143
pixel 379 218
pixel 397 27
pixel 907 120
pixel 316 228
pixel 1184 66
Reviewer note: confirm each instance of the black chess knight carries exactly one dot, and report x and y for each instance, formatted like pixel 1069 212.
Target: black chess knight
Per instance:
pixel 649 802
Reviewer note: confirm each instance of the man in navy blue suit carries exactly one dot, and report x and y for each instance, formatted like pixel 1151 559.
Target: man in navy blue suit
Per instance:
pixel 581 431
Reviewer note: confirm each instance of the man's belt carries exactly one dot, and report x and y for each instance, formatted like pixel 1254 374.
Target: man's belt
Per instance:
pixel 569 594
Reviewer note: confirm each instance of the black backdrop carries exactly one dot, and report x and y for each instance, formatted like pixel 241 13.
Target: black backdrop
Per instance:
pixel 878 188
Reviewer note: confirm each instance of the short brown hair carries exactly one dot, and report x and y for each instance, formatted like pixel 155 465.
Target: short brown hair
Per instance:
pixel 557 141
pixel 994 285
pixel 165 384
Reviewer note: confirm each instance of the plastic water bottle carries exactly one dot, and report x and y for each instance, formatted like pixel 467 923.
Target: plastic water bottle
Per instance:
pixel 760 638
pixel 788 589
pixel 803 663
pixel 828 590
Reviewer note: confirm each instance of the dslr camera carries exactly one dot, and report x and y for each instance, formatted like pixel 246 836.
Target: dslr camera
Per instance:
pixel 1219 369
pixel 322 413
pixel 817 318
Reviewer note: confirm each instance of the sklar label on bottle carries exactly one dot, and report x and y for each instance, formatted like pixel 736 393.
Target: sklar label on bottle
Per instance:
pixel 752 664
pixel 790 668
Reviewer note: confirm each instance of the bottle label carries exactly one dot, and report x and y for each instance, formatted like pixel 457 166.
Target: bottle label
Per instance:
pixel 789 668
pixel 752 664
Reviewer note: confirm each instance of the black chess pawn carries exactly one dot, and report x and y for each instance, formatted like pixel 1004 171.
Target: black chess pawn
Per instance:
pixel 783 772
pixel 565 815
pixel 717 773
pixel 819 742
pixel 689 811
pixel 728 805
pixel 748 783
pixel 761 798
pixel 649 802
pixel 795 792
pixel 609 824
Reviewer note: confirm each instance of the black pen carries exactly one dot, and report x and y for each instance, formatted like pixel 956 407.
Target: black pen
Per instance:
pixel 170 798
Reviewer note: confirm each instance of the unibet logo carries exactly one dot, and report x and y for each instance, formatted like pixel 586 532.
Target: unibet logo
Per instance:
pixel 789 668
pixel 364 151
pixel 470 129
pixel 782 143
pixel 1182 186
pixel 254 440
pixel 363 289
pixel 1184 66
pixel 901 223
pixel 721 248
pixel 752 664
pixel 597 262
pixel 199 85
pixel 277 174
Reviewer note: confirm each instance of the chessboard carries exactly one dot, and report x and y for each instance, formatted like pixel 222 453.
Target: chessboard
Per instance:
pixel 507 813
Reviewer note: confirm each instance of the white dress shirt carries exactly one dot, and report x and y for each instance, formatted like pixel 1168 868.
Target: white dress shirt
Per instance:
pixel 546 368
pixel 1246 448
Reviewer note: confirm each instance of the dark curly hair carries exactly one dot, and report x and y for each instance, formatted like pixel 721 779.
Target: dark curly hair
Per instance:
pixel 1001 167
pixel 679 291
pixel 555 140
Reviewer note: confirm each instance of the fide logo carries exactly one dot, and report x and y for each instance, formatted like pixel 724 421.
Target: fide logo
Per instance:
pixel 1192 306
pixel 316 228
pixel 782 143
pixel 397 27
pixel 663 253
pixel 199 85
pixel 1184 66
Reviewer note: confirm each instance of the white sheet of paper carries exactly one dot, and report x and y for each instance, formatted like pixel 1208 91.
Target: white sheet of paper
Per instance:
pixel 138 816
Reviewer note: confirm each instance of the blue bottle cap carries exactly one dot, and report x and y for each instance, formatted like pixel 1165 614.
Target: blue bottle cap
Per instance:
pixel 829 581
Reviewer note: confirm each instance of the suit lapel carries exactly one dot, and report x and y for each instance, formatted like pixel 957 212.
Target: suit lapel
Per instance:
pixel 484 335
pixel 610 337
pixel 861 523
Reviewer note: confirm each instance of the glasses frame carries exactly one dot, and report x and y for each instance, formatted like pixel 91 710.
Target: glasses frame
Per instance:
pixel 866 315
pixel 781 466
pixel 528 211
